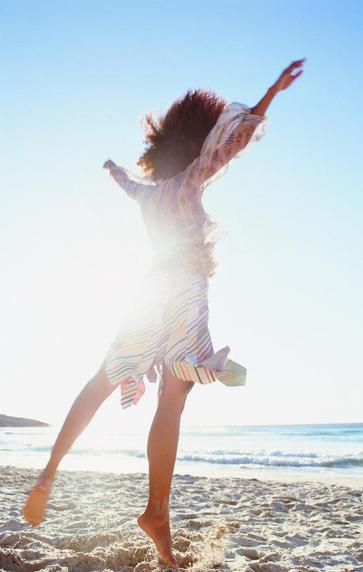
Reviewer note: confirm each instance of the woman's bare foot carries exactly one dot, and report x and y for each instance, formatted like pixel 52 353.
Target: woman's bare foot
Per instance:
pixel 158 528
pixel 34 508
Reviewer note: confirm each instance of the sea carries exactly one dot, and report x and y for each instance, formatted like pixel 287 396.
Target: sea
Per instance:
pixel 327 452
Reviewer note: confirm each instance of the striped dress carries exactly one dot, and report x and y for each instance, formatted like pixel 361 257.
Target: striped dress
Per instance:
pixel 169 326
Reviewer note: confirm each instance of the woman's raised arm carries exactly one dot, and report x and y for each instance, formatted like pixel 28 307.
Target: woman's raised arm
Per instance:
pixel 237 127
pixel 284 80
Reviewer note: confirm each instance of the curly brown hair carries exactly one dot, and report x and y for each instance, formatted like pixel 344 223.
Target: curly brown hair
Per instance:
pixel 176 138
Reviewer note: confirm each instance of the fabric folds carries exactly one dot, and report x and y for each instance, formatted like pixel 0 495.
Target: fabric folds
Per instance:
pixel 168 325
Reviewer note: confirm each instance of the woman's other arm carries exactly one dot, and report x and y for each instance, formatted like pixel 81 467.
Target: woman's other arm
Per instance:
pixel 132 188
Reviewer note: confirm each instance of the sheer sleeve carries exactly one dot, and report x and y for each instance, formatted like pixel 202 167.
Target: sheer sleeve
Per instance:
pixel 130 183
pixel 236 129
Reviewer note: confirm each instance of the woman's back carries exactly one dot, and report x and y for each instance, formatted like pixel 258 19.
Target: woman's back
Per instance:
pixel 179 229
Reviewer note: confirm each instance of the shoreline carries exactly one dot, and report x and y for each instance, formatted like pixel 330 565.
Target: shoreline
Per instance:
pixel 265 474
pixel 233 524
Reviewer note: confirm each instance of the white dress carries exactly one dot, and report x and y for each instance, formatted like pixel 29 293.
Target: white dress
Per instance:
pixel 169 326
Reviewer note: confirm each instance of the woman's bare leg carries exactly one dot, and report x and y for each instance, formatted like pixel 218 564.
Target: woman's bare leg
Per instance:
pixel 161 450
pixel 80 414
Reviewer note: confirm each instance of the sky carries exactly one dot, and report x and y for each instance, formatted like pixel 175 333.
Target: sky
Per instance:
pixel 77 77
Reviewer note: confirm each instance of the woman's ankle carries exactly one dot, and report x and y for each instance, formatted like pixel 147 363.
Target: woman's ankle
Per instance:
pixel 157 512
pixel 48 473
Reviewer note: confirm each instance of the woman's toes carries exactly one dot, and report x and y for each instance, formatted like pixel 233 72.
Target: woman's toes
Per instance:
pixel 34 508
pixel 169 561
pixel 159 531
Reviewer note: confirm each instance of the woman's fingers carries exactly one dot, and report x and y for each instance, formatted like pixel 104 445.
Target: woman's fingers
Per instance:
pixel 287 76
pixel 295 64
pixel 292 77
pixel 297 74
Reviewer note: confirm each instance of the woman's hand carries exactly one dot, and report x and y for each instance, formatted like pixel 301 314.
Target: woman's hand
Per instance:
pixel 286 78
pixel 108 164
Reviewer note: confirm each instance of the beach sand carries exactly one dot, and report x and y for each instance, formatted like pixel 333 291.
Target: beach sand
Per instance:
pixel 225 524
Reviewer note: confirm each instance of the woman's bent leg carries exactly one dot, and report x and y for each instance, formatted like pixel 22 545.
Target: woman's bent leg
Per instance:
pixel 80 414
pixel 161 450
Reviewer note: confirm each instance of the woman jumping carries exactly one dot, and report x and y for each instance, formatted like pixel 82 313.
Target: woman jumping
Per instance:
pixel 166 338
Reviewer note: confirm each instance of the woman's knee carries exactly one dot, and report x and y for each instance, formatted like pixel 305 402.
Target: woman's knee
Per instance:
pixel 172 390
pixel 100 382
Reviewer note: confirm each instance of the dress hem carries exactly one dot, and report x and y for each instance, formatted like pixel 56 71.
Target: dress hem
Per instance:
pixel 217 367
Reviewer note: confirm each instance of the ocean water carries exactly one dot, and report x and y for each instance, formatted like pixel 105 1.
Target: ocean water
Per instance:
pixel 324 452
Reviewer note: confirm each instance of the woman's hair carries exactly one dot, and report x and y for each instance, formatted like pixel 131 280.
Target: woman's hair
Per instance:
pixel 176 138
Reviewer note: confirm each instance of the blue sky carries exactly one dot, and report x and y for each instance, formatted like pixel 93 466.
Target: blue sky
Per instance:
pixel 76 79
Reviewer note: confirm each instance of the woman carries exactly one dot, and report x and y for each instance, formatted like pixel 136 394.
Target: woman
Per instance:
pixel 167 337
